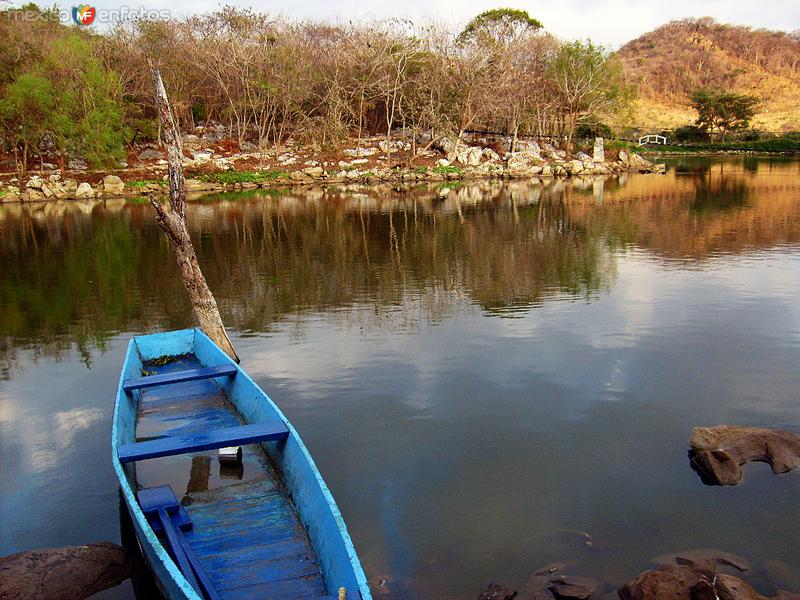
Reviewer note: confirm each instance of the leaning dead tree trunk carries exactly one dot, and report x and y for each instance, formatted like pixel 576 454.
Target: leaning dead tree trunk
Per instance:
pixel 173 222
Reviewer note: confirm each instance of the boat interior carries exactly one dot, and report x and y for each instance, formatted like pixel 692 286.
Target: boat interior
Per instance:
pixel 229 525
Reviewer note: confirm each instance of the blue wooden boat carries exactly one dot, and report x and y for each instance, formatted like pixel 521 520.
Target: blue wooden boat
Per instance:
pixel 263 527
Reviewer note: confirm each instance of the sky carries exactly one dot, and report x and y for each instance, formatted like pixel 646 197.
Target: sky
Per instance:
pixel 610 22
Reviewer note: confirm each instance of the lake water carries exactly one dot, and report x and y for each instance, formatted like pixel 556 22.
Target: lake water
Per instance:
pixel 485 374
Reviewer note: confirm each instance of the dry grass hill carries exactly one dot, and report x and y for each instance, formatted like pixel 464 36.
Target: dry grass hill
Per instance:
pixel 668 63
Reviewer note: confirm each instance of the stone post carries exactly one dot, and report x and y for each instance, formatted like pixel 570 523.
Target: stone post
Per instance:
pixel 599 153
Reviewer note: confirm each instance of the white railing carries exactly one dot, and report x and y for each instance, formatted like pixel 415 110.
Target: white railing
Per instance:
pixel 652 139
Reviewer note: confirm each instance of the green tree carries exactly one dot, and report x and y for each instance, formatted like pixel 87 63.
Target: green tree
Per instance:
pixel 589 83
pixel 499 26
pixel 26 110
pixel 89 119
pixel 722 111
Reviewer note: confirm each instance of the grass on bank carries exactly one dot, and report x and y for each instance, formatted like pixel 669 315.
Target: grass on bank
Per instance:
pixel 143 183
pixel 445 169
pixel 233 177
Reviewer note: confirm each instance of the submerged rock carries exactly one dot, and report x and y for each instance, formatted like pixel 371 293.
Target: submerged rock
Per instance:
pixel 495 591
pixel 572 588
pixel 704 558
pixel 69 573
pixel 718 453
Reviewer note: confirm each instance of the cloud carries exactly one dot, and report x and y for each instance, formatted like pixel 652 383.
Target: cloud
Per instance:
pixel 611 22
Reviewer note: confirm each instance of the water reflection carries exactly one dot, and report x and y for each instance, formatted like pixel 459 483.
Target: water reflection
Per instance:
pixel 77 272
pixel 463 445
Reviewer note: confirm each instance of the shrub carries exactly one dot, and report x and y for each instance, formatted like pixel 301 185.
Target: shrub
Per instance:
pixel 593 129
pixel 690 133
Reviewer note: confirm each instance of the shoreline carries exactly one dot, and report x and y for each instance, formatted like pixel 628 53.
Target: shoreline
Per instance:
pixel 216 169
pixel 755 153
pixel 376 160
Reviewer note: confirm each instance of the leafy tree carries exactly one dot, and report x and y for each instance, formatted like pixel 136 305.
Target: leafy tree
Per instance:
pixel 88 122
pixel 590 129
pixel 722 111
pixel 69 98
pixel 589 83
pixel 26 110
pixel 690 133
pixel 499 26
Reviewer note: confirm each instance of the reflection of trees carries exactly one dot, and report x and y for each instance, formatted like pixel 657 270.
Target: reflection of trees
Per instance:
pixel 720 193
pixel 80 272
pixel 74 273
pixel 725 208
pixel 499 257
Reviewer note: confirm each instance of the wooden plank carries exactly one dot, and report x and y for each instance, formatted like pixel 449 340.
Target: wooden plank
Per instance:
pixel 179 377
pixel 220 438
pixel 162 509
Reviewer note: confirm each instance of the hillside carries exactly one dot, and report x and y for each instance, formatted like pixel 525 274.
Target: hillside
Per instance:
pixel 669 62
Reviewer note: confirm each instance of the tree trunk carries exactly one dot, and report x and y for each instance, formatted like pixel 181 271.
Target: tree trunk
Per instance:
pixel 173 222
pixel 514 139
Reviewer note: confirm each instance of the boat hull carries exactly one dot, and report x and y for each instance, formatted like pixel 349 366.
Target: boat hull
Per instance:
pixel 311 498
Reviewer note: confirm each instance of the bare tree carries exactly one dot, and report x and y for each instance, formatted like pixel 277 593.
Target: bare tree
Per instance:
pixel 173 222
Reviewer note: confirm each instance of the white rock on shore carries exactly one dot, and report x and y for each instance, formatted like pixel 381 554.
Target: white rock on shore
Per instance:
pixel 84 191
pixel 113 185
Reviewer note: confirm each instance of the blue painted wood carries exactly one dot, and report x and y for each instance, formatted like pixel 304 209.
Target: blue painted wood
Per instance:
pixel 179 377
pixel 152 499
pixel 210 440
pixel 256 538
pixel 176 550
pixel 209 591
pixel 163 511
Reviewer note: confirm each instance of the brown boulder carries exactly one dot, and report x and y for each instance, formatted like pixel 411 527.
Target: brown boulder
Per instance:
pixel 718 453
pixel 668 582
pixel 69 573
pixel 684 582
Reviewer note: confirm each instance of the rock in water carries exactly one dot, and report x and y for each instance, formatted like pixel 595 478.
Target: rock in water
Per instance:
pixel 572 588
pixel 69 573
pixel 686 582
pixel 718 453
pixel 495 591
pixel 666 583
pixel 708 558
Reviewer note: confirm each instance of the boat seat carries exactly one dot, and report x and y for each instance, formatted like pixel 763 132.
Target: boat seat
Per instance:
pixel 179 377
pixel 168 517
pixel 209 440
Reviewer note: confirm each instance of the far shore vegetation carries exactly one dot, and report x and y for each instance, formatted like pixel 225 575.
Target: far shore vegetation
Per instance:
pixel 81 95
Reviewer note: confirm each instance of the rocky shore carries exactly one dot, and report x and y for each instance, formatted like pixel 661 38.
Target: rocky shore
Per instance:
pixel 701 574
pixel 217 168
pixel 717 454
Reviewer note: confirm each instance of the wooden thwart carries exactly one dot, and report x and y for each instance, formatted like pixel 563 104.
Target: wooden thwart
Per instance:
pixel 220 438
pixel 178 377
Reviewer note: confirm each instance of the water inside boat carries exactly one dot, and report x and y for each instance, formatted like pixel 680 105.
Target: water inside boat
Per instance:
pixel 246 531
